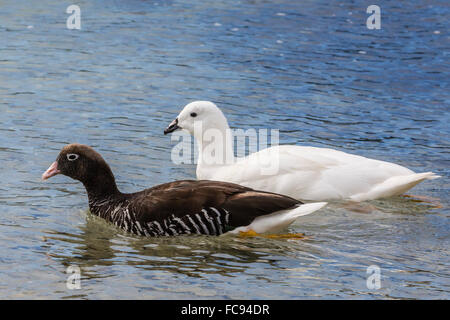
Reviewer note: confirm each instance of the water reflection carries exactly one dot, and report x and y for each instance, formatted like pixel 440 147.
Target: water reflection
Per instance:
pixel 405 204
pixel 101 244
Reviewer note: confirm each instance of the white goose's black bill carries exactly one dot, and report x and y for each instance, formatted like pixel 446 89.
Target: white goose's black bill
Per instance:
pixel 172 127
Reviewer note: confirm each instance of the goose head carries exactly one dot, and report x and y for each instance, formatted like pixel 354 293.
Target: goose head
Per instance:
pixel 198 114
pixel 82 163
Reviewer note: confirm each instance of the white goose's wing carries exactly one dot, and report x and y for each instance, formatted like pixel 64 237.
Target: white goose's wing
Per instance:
pixel 311 173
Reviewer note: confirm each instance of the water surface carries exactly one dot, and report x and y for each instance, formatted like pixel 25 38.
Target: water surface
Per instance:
pixel 308 68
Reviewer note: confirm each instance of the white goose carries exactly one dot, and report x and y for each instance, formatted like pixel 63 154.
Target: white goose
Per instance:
pixel 305 173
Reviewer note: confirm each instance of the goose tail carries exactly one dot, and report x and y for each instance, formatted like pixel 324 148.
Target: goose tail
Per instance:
pixel 431 175
pixel 279 220
pixel 395 186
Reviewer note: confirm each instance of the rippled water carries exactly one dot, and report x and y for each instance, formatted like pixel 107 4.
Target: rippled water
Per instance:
pixel 311 69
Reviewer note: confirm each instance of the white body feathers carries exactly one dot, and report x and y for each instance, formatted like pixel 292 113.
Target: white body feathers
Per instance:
pixel 309 173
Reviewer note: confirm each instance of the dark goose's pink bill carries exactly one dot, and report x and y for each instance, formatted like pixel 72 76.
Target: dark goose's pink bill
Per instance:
pixel 51 171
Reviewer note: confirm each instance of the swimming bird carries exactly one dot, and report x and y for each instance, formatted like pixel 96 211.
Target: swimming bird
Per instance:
pixel 179 207
pixel 304 173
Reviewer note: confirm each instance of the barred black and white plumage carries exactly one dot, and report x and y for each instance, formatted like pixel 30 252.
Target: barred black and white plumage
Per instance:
pixel 199 223
pixel 176 208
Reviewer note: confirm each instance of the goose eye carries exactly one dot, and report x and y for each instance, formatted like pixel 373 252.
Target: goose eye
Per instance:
pixel 193 114
pixel 72 156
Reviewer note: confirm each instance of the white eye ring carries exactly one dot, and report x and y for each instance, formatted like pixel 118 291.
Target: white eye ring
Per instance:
pixel 72 156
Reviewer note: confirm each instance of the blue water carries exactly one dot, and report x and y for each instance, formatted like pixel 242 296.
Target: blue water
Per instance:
pixel 308 68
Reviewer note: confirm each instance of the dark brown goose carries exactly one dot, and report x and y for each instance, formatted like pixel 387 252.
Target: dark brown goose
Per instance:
pixel 179 207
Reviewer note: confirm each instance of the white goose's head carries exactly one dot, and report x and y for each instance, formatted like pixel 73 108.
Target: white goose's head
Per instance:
pixel 201 116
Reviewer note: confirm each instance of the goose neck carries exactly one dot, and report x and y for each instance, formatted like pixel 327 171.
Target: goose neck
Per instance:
pixel 215 146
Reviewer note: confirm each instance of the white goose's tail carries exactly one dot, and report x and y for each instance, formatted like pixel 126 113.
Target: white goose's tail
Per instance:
pixel 279 220
pixel 395 186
